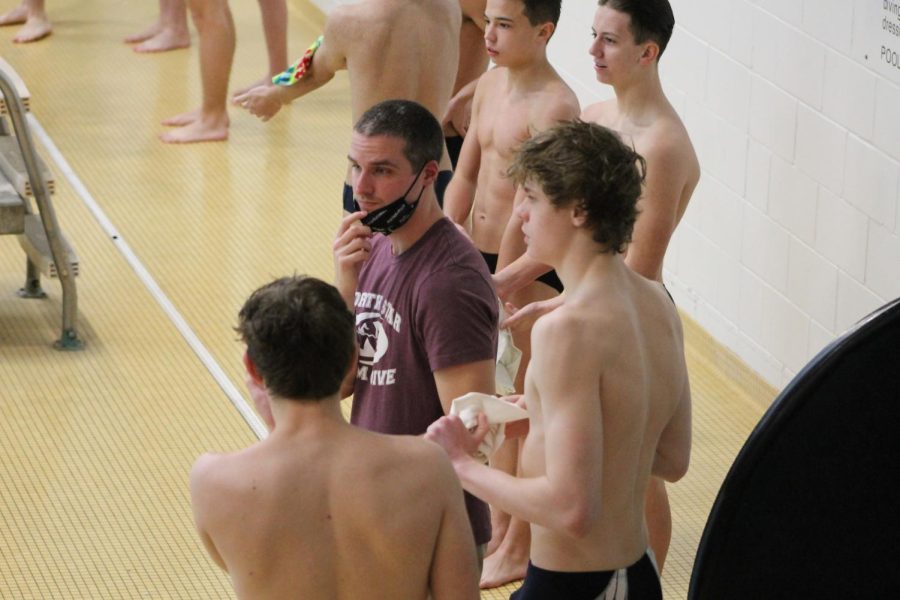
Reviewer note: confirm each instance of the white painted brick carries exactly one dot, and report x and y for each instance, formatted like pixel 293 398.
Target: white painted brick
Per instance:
pixel 721 148
pixel 761 361
pixel 728 287
pixel 750 302
pixel 764 248
pixel 720 218
pixel 887 118
pixel 801 68
pixel 787 10
pixel 743 15
pixel 769 40
pixel 685 298
pixel 841 234
pixel 709 20
pixel 697 266
pixel 820 148
pixel 854 303
pixel 812 283
pixel 830 22
pixel 685 64
pixel 849 94
pixel 792 200
pixel 773 117
pixel 759 160
pixel 870 181
pixel 716 324
pixel 785 330
pixel 883 264
pixel 819 337
pixel 728 89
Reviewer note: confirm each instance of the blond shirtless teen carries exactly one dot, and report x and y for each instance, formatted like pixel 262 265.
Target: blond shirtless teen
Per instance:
pixel 523 95
pixel 607 391
pixel 629 38
pixel 320 509
pixel 392 49
pixel 33 18
pixel 473 61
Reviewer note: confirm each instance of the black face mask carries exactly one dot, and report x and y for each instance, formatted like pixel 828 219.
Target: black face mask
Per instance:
pixel 392 216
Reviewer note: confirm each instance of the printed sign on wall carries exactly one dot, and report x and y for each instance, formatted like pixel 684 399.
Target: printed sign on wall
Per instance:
pixel 876 36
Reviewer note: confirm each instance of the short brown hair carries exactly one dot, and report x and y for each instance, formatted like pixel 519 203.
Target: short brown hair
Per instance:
pixel 586 164
pixel 300 335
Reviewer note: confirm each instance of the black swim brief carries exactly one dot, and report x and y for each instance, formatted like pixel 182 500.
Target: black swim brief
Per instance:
pixel 641 582
pixel 440 185
pixel 454 146
pixel 548 278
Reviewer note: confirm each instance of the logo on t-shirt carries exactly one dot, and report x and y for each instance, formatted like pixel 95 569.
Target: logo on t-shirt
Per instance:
pixel 373 338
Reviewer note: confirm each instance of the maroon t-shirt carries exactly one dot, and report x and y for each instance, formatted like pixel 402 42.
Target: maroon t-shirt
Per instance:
pixel 430 308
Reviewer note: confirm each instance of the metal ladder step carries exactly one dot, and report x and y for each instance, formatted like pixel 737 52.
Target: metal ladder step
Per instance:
pixel 12 165
pixel 34 243
pixel 17 82
pixel 12 209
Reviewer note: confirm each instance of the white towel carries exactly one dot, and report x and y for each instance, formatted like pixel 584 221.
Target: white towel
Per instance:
pixel 499 413
pixel 508 358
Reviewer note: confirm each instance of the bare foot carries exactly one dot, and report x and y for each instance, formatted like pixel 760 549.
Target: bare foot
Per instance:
pixel 145 34
pixel 509 562
pixel 244 90
pixel 185 118
pixel 201 130
pixel 35 28
pixel 165 40
pixel 14 17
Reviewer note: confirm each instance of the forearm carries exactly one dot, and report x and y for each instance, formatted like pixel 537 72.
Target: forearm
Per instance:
pixel 518 274
pixel 458 199
pixel 530 499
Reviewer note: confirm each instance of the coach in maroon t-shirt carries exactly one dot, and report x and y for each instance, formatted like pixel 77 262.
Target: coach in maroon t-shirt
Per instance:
pixel 426 309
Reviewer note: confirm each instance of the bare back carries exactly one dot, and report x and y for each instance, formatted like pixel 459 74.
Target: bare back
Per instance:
pixel 405 49
pixel 672 174
pixel 504 116
pixel 607 391
pixel 337 513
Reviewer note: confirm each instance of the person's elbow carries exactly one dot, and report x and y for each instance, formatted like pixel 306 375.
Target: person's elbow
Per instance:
pixel 579 517
pixel 671 466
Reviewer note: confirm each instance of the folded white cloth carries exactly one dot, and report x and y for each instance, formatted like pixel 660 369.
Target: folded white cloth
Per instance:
pixel 499 413
pixel 508 358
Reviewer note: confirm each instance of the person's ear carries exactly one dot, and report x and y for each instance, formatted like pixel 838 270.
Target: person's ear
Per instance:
pixel 252 370
pixel 649 53
pixel 579 216
pixel 430 172
pixel 545 32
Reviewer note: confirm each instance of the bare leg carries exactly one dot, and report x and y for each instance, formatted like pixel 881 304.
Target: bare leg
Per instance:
pixel 170 31
pixel 36 23
pixel 659 519
pixel 215 31
pixel 274 20
pixel 510 559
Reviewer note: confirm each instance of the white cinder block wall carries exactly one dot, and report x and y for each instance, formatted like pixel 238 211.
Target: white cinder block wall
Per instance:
pixel 793 233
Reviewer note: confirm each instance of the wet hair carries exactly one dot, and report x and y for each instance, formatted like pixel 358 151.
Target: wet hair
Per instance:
pixel 300 335
pixel 409 121
pixel 539 12
pixel 650 19
pixel 587 165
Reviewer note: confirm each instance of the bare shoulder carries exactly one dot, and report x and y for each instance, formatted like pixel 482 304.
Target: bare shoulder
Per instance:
pixel 575 327
pixel 667 139
pixel 473 10
pixel 423 461
pixel 556 102
pixel 599 112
